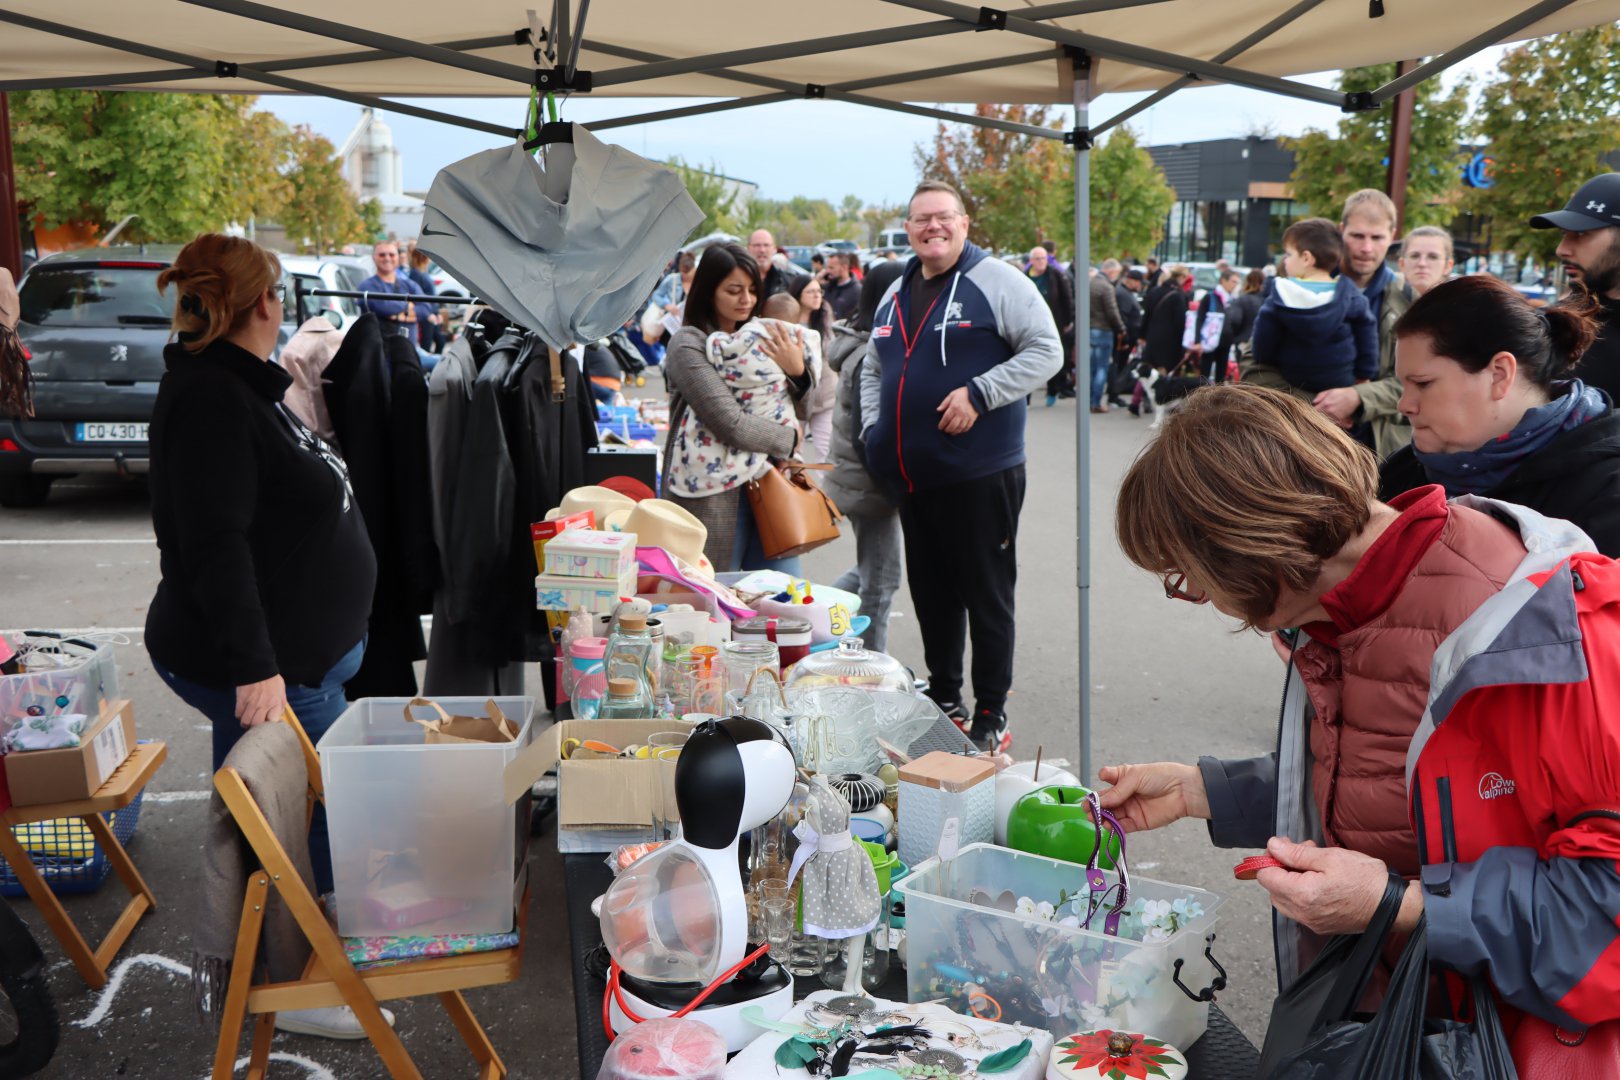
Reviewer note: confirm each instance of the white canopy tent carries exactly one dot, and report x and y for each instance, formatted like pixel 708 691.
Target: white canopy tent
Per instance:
pixel 887 54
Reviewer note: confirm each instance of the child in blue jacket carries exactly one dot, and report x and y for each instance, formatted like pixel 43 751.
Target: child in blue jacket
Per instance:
pixel 1316 330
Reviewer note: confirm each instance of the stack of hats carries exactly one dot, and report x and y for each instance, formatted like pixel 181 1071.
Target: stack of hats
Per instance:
pixel 655 522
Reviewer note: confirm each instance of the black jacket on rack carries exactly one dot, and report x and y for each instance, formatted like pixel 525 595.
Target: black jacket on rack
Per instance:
pixel 529 422
pixel 377 397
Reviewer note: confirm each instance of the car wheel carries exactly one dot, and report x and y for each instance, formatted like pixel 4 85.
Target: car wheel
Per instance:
pixel 22 490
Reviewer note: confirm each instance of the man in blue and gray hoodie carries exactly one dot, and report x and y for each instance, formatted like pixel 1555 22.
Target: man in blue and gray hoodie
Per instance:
pixel 957 345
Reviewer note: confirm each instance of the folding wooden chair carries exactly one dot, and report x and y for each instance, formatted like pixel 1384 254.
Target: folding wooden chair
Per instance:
pixel 330 978
pixel 121 788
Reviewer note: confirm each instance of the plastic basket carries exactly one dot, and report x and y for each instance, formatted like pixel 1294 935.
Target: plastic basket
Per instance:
pixel 66 853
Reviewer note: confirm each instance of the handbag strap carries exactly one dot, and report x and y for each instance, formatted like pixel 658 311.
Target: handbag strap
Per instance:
pixel 1358 967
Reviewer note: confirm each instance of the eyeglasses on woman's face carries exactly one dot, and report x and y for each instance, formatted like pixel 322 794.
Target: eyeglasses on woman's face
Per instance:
pixel 1176 588
pixel 279 291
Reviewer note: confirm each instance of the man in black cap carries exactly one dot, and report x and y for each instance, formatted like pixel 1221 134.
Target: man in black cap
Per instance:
pixel 1590 252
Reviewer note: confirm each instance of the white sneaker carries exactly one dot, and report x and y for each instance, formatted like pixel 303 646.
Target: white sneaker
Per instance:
pixel 333 1022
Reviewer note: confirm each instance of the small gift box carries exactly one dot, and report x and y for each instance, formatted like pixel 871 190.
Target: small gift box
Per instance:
pixel 589 553
pixel 559 593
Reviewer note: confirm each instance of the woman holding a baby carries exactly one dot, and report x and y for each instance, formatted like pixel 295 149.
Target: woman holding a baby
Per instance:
pixel 739 380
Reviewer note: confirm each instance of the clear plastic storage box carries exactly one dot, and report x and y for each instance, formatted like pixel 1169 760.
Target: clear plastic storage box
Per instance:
pixel 970 941
pixel 423 840
pixel 72 676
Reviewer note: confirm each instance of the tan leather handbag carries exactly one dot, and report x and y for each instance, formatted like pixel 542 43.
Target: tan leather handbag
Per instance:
pixel 791 513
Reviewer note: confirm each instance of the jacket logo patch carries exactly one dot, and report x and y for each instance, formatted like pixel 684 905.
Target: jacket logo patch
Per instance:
pixel 1493 785
pixel 882 331
pixel 953 311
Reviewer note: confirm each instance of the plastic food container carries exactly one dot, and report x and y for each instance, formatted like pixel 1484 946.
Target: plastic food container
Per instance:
pixel 423 840
pixel 791 635
pixel 966 942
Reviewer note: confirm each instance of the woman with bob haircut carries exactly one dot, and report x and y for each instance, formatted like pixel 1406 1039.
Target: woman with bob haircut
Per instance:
pixel 1519 621
pixel 267 573
pixel 726 293
pixel 1486 385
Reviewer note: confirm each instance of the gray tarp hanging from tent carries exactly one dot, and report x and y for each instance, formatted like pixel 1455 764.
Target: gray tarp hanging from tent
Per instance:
pixel 884 53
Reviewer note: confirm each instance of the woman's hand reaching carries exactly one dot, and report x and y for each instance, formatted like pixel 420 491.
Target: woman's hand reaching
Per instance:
pixel 261 702
pixel 1150 796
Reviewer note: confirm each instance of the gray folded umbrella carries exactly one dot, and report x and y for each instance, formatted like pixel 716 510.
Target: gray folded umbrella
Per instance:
pixel 570 248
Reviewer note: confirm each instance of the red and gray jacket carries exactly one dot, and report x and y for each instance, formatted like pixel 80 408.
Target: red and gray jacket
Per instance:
pixel 1513 778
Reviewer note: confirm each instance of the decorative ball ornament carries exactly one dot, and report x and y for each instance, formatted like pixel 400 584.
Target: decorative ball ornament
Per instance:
pixel 1115 1055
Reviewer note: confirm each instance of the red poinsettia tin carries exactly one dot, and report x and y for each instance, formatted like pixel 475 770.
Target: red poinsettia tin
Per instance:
pixel 1115 1055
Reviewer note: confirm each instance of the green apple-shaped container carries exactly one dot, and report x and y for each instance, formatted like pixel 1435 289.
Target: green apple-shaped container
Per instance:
pixel 1055 822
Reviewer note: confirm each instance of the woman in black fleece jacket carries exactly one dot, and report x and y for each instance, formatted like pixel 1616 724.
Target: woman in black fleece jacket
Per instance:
pixel 267 574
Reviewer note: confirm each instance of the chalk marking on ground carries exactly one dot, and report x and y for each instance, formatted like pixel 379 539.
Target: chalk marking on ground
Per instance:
pixel 177 796
pixel 109 992
pixel 315 1070
pixel 104 1003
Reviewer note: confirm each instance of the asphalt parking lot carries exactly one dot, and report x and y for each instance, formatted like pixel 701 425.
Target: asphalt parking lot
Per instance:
pixel 1170 681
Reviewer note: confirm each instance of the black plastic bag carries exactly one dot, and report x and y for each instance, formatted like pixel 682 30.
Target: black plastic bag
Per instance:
pixel 1315 1033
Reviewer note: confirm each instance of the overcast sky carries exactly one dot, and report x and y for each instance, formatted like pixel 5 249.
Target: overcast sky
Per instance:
pixel 822 149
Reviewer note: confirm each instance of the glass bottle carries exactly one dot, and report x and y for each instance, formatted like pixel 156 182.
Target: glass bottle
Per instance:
pixel 627 699
pixel 629 656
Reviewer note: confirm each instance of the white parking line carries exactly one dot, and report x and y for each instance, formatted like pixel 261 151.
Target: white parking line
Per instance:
pixel 75 631
pixel 177 796
pixel 108 540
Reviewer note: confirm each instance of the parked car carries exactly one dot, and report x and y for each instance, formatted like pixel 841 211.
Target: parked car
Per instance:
pixel 841 247
pixel 337 273
pixel 799 255
pixel 94 326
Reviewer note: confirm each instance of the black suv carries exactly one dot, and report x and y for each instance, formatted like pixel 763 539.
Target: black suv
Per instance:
pixel 94 325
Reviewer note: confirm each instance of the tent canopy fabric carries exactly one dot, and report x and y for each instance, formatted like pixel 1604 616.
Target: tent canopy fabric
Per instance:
pixel 934 46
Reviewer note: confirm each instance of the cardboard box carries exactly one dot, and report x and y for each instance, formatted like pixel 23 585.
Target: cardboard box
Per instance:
pixel 48 776
pixel 601 802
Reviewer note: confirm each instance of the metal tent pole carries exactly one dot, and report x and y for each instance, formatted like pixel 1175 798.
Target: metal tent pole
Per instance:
pixel 1500 32
pixel 1231 52
pixel 1083 74
pixel 223 69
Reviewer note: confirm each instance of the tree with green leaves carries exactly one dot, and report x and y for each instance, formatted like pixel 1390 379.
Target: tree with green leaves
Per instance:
pixel 1019 189
pixel 1550 115
pixel 1328 168
pixel 182 163
pixel 713 194
pixel 321 211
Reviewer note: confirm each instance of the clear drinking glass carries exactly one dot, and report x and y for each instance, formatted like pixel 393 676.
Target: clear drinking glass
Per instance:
pixel 778 920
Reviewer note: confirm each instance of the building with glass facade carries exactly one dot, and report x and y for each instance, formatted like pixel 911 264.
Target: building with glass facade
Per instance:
pixel 1233 200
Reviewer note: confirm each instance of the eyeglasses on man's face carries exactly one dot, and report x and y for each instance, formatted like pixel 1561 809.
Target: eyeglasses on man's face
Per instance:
pixel 1175 588
pixel 922 221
